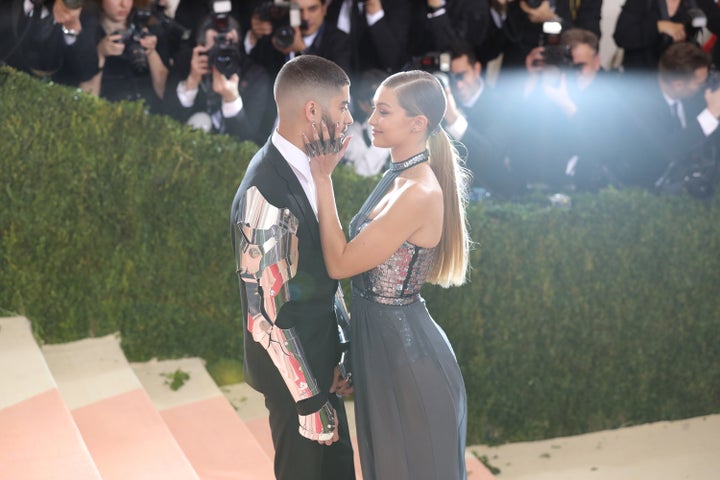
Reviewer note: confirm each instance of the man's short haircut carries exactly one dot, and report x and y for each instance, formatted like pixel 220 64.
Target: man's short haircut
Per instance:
pixel 680 60
pixel 580 36
pixel 459 49
pixel 307 76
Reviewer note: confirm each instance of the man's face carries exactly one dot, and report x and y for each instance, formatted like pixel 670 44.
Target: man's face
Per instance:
pixel 688 88
pixel 465 78
pixel 587 62
pixel 67 17
pixel 312 13
pixel 338 112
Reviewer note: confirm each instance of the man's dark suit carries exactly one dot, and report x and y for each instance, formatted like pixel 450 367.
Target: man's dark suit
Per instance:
pixel 310 312
pixel 330 43
pixel 383 45
pixel 652 138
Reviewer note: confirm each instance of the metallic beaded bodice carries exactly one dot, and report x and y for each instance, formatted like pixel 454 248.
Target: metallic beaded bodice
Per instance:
pixel 398 280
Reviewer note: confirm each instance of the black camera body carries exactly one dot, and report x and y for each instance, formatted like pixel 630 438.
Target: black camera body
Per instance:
pixel 284 17
pixel 134 52
pixel 432 62
pixel 555 53
pixel 224 55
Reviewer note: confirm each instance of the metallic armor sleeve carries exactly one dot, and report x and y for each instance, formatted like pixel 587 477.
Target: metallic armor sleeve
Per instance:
pixel 266 258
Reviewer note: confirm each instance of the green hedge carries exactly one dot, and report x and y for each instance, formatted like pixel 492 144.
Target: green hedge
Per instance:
pixel 597 316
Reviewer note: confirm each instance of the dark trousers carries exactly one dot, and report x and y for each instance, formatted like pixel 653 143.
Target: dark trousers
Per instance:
pixel 296 457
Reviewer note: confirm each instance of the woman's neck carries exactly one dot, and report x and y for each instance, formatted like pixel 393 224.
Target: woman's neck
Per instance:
pixel 402 153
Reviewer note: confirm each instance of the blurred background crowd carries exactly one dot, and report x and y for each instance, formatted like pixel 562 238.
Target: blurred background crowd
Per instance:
pixel 530 103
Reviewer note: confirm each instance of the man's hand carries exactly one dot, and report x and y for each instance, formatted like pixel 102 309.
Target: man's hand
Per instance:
pixel 227 88
pixel 198 67
pixel 542 13
pixel 341 386
pixel 676 31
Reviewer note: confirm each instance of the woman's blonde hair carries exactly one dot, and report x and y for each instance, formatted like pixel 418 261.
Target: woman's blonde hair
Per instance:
pixel 420 93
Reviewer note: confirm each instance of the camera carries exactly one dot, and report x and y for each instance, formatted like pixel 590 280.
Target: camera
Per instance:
pixel 224 54
pixel 432 62
pixel 284 17
pixel 555 53
pixel 134 52
pixel 534 3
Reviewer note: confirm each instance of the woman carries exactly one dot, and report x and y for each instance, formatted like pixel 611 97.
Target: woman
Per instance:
pixel 410 402
pixel 645 28
pixel 127 47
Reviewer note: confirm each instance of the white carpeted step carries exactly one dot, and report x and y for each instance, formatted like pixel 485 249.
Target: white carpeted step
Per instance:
pixel 38 437
pixel 216 441
pixel 126 436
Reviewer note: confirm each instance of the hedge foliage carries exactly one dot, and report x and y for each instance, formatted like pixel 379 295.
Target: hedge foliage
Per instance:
pixel 597 316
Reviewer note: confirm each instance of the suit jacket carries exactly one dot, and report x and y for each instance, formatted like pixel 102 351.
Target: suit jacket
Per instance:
pixel 253 122
pixel 384 45
pixel 526 35
pixel 650 138
pixel 310 308
pixel 636 30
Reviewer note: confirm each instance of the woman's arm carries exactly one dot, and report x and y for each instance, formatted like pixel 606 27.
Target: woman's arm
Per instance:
pixel 402 213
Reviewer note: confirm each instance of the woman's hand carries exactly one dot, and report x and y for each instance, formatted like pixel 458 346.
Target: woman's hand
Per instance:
pixel 325 151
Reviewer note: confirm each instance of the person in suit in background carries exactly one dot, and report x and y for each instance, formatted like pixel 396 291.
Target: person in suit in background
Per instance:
pixel 292 348
pixel 668 118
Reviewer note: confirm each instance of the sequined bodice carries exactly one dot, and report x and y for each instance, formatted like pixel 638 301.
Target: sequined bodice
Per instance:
pixel 398 280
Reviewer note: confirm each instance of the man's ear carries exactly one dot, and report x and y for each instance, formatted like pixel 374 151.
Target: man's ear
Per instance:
pixel 311 110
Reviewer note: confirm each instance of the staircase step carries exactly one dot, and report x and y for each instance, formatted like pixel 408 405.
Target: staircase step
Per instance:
pixel 216 441
pixel 38 438
pixel 125 434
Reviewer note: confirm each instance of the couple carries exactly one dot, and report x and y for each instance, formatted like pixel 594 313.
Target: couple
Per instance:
pixel 290 250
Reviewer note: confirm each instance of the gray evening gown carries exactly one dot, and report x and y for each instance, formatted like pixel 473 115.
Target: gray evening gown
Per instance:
pixel 410 403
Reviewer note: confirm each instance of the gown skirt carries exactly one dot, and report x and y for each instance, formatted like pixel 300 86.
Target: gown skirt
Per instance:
pixel 410 401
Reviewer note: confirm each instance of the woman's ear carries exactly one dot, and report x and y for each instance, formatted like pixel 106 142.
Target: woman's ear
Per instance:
pixel 419 123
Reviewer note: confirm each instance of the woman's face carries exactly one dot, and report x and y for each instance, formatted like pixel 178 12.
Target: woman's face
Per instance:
pixel 391 125
pixel 117 10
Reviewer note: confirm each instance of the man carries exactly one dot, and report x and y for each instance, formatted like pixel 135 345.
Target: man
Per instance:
pixel 572 106
pixel 314 36
pixel 474 117
pixel 48 40
pixel 378 30
pixel 290 326
pixel 517 26
pixel 670 119
pixel 225 91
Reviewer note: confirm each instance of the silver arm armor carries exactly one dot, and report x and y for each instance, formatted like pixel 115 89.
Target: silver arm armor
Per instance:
pixel 343 321
pixel 266 258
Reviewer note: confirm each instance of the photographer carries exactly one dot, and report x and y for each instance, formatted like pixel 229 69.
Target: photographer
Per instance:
pixel 225 91
pixel 129 61
pixel 279 32
pixel 645 28
pixel 475 116
pixel 47 39
pixel 379 32
pixel 669 122
pixel 566 115
pixel 517 26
